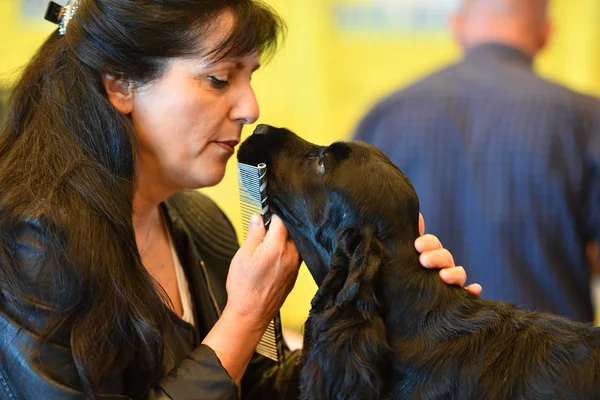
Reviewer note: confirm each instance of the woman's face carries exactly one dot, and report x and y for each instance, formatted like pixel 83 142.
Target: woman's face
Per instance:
pixel 189 121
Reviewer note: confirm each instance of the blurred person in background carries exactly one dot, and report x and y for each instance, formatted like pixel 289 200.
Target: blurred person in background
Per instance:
pixel 505 163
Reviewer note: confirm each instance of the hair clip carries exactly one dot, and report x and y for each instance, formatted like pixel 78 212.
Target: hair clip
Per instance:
pixel 61 15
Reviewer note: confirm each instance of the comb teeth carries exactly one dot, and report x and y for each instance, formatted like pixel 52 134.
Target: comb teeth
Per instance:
pixel 254 200
pixel 253 193
pixel 268 343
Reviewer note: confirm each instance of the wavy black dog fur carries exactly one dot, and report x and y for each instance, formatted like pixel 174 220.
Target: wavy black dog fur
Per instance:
pixel 383 327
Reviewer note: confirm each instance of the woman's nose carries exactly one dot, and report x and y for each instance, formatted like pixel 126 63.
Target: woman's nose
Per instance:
pixel 246 109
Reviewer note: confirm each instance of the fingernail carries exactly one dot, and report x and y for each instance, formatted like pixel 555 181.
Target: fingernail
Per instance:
pixel 418 244
pixel 254 221
pixel 424 260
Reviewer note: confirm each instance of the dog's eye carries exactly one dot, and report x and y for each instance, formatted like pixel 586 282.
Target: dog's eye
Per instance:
pixel 320 159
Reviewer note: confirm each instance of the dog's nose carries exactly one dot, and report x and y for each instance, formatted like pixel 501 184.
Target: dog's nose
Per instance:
pixel 261 129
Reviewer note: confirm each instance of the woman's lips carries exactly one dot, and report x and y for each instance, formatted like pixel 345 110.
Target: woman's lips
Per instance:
pixel 228 145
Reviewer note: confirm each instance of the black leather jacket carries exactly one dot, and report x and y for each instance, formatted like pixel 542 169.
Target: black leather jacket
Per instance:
pixel 205 242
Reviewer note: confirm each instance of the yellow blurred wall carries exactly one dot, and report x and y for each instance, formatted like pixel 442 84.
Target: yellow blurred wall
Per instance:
pixel 323 80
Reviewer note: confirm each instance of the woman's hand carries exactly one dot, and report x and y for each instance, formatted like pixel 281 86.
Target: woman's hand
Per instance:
pixel 263 271
pixel 433 255
pixel 261 275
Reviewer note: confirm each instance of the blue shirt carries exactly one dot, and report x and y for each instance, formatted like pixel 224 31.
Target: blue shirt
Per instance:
pixel 507 169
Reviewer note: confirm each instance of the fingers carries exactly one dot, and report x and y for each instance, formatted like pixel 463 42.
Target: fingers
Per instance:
pixel 475 289
pixel 427 243
pixel 277 231
pixel 278 239
pixel 454 276
pixel 433 255
pixel 256 232
pixel 457 276
pixel 440 258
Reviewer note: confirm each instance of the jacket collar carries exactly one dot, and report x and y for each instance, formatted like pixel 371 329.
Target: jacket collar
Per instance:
pixel 498 52
pixel 207 291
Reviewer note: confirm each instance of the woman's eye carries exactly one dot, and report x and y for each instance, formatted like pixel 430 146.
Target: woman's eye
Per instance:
pixel 218 83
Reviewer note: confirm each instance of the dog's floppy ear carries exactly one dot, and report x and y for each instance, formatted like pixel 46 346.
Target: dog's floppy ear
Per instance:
pixel 346 354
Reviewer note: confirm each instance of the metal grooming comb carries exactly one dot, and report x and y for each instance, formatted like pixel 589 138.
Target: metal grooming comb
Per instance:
pixel 254 200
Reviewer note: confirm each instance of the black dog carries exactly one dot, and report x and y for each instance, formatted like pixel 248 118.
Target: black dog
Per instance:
pixel 383 327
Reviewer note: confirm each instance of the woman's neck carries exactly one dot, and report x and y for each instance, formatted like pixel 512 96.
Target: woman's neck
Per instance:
pixel 146 214
pixel 152 188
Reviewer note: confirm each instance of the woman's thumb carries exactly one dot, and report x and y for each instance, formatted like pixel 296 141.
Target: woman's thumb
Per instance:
pixel 256 232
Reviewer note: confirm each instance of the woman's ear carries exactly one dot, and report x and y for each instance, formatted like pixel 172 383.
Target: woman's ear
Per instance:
pixel 120 93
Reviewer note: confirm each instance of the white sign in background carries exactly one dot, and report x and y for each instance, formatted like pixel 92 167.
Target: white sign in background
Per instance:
pixel 408 16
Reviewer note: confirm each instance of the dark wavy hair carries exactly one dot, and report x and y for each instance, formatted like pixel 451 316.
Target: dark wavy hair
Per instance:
pixel 67 162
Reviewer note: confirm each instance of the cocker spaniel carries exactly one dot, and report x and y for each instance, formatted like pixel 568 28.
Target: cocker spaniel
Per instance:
pixel 383 327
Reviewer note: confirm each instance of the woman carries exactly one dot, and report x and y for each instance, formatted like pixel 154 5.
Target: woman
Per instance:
pixel 114 280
